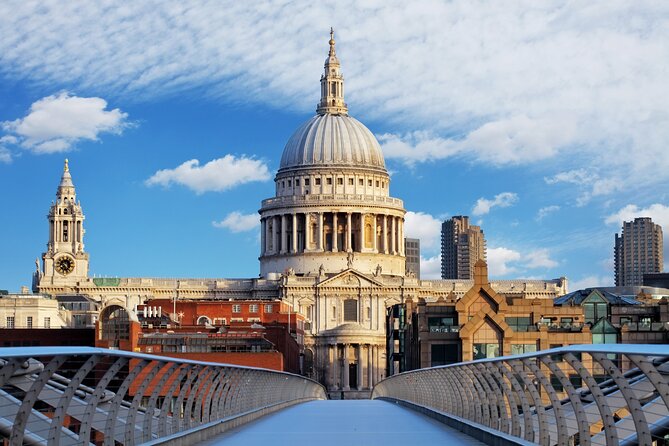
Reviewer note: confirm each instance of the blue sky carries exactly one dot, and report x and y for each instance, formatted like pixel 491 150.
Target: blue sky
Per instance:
pixel 547 123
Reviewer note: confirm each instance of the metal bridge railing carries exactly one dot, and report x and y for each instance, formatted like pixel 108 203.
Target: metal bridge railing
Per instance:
pixel 578 395
pixel 77 395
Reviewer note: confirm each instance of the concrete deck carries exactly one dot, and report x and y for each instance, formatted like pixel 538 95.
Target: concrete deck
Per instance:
pixel 335 422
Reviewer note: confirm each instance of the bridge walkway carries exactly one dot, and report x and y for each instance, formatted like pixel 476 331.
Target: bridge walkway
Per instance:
pixel 337 422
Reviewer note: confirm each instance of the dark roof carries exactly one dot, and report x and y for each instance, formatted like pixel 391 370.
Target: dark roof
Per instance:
pixel 577 297
pixel 73 298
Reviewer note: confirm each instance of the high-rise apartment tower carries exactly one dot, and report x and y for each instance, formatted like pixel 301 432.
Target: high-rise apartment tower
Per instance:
pixel 637 250
pixel 412 253
pixel 462 245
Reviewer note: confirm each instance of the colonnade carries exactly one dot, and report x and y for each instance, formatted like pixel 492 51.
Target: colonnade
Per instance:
pixel 338 358
pixel 332 232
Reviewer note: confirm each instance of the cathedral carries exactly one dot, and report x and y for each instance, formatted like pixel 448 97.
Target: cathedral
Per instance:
pixel 332 247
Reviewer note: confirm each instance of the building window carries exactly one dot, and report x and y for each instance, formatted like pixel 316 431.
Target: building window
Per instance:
pixel 318 181
pixel 369 183
pixel 47 322
pixel 486 350
pixel 29 322
pixel 306 181
pixel 351 310
pixel 328 181
pixel 519 349
pixel 253 308
pixel 442 324
pixel 289 183
pixel 297 182
pixel 442 354
pixel 220 321
pixel 340 181
pixel 350 181
pixel 519 323
pixel 236 308
pixel 377 183
pixel 594 311
pixel 268 308
pixel 361 182
pixel 10 322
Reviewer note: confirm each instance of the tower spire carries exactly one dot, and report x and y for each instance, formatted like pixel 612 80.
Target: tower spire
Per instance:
pixel 66 187
pixel 332 84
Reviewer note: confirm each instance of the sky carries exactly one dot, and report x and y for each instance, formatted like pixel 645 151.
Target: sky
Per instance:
pixel 546 122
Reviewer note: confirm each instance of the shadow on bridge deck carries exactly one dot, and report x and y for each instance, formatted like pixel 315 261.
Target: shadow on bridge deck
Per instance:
pixel 336 422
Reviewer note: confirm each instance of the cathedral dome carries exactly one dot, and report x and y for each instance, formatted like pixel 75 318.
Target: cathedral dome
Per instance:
pixel 332 139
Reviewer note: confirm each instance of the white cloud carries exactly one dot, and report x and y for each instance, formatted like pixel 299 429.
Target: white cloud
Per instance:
pixel 217 175
pixel 5 155
pixel 499 260
pixel 658 212
pixel 547 210
pixel 588 182
pixel 503 200
pixel 504 261
pixel 424 227
pixel 56 123
pixel 540 258
pixel 513 83
pixel 591 282
pixel 430 268
pixel 238 222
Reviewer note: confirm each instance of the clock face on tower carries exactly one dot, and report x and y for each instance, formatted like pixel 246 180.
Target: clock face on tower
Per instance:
pixel 65 265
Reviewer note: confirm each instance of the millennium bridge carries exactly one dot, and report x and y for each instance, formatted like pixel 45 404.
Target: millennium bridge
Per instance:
pixel 578 395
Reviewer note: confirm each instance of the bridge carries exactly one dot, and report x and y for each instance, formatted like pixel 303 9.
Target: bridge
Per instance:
pixel 578 395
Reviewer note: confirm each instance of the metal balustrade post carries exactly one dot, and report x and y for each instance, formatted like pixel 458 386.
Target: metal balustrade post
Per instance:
pixel 178 413
pixel 558 413
pixel 528 424
pixel 470 401
pixel 31 397
pixel 98 394
pixel 206 408
pixel 203 379
pixel 658 381
pixel 64 402
pixel 605 412
pixel 109 433
pixel 153 399
pixel 528 384
pixel 574 399
pixel 130 427
pixel 498 416
pixel 162 419
pixel 633 404
pixel 509 399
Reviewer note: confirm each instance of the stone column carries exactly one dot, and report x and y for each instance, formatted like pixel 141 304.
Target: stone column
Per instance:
pixel 400 223
pixel 349 248
pixel 345 383
pixel 362 232
pixel 263 240
pixel 393 237
pixel 334 232
pixel 372 349
pixel 320 232
pixel 385 234
pixel 332 361
pixel 284 233
pixel 370 369
pixel 359 366
pixel 307 232
pixel 374 236
pixel 294 247
pixel 275 235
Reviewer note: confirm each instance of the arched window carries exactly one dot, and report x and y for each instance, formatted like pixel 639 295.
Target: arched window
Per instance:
pixel 351 310
pixel 203 320
pixel 115 325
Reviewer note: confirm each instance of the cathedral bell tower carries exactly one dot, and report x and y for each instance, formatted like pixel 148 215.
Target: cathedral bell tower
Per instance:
pixel 64 260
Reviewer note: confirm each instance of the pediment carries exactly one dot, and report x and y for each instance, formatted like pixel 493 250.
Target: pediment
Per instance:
pixel 350 278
